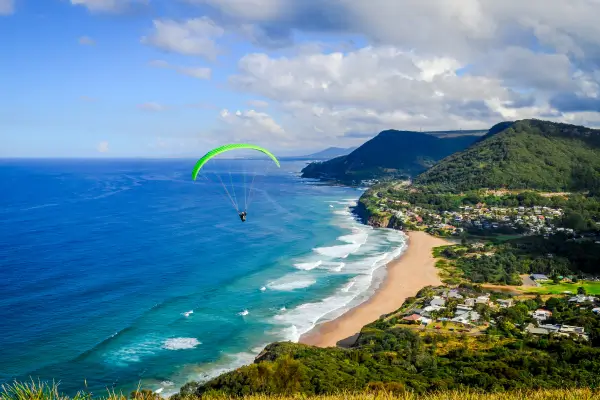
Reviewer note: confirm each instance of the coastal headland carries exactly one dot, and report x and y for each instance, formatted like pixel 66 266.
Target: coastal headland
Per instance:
pixel 412 271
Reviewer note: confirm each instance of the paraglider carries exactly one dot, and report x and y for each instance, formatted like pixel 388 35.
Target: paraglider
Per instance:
pixel 222 149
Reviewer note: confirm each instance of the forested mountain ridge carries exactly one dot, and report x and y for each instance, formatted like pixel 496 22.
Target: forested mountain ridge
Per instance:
pixel 526 154
pixel 391 153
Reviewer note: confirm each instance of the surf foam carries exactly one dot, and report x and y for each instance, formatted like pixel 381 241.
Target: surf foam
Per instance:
pixel 291 282
pixel 307 266
pixel 180 343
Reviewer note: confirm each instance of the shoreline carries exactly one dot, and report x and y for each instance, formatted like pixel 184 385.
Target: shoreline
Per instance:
pixel 406 275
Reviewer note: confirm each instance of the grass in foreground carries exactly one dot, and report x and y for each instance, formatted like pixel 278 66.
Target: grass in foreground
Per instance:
pixel 50 391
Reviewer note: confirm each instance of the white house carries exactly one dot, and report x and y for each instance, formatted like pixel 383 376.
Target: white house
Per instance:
pixel 539 277
pixel 466 318
pixel 582 299
pixel 470 302
pixel 437 301
pixel 551 328
pixel 541 314
pixel 572 329
pixel 505 303
pixel 463 307
pixel 482 300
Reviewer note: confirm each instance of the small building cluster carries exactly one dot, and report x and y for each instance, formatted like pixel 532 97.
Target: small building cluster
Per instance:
pixel 460 310
pixel 576 332
pixel 526 220
pixel 451 306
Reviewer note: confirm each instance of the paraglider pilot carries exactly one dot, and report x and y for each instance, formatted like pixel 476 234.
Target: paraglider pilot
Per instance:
pixel 243 216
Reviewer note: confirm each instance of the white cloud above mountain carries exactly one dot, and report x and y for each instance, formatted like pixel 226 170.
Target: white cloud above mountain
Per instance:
pixel 340 69
pixel 431 65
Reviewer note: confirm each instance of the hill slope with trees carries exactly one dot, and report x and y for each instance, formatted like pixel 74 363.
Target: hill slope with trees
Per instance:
pixel 392 153
pixel 526 154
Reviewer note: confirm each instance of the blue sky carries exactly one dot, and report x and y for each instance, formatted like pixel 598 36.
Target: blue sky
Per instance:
pixel 121 78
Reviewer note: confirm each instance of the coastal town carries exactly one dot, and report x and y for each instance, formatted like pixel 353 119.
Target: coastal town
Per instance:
pixel 474 312
pixel 479 218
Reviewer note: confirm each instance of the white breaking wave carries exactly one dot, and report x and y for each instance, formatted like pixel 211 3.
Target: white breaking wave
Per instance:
pixel 291 282
pixel 303 318
pixel 243 313
pixel 339 267
pixel 356 238
pixel 188 313
pixel 134 352
pixel 348 287
pixel 343 212
pixel 333 266
pixel 341 251
pixel 308 265
pixel 180 343
pixel 262 289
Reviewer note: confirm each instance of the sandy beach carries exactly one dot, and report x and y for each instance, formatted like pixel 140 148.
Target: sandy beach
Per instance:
pixel 405 277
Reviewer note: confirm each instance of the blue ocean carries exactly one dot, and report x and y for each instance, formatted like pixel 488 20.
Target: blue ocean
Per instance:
pixel 119 273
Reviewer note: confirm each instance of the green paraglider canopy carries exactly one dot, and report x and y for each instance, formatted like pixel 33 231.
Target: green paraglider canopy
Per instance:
pixel 228 147
pixel 231 191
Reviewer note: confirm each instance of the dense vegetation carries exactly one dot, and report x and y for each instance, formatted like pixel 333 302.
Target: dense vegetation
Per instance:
pixel 392 153
pixel 398 359
pixel 503 263
pixel 527 154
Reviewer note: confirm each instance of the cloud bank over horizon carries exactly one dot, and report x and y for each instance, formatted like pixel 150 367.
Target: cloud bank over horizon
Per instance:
pixel 310 74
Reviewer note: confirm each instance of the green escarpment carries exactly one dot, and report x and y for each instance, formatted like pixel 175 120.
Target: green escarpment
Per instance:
pixel 391 154
pixel 527 154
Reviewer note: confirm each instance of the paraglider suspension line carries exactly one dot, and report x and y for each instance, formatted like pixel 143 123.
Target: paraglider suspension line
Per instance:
pixel 227 191
pixel 245 194
pixel 214 183
pixel 251 193
pixel 233 190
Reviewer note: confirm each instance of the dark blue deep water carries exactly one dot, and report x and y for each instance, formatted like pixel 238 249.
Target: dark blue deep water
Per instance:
pixel 120 272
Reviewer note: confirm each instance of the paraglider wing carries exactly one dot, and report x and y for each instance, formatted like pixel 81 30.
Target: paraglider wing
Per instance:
pixel 225 148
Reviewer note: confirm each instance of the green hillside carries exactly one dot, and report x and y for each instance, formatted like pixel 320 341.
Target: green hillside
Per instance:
pixel 395 356
pixel 392 153
pixel 527 154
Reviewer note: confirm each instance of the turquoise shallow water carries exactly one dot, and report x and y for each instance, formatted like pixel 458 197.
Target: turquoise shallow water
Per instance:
pixel 120 272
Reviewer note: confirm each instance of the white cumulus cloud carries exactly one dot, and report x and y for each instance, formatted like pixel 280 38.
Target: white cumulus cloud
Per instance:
pixel 251 124
pixel 261 10
pixel 193 37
